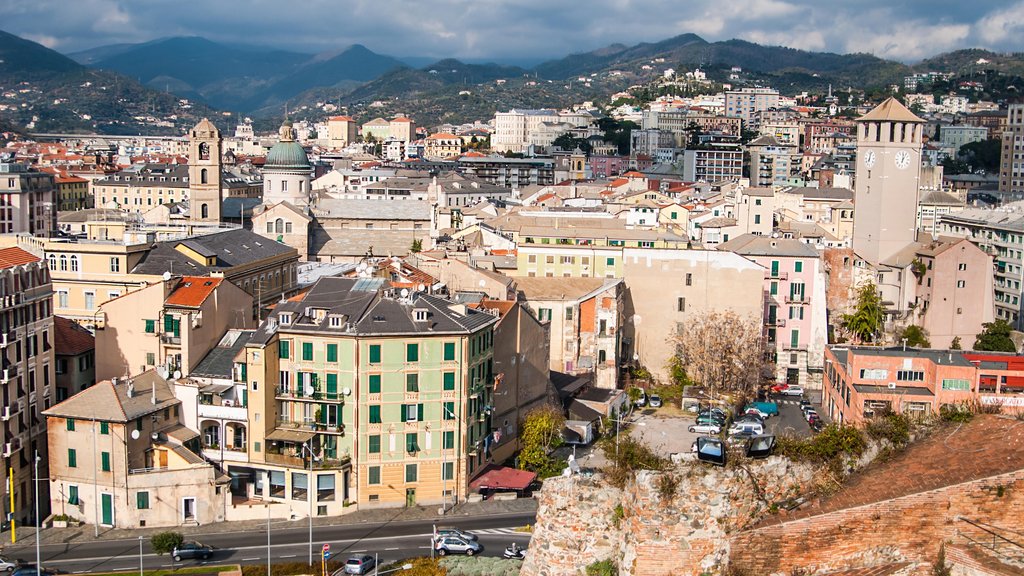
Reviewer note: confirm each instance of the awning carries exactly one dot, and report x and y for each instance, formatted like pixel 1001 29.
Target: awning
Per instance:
pixel 181 433
pixel 217 389
pixel 284 435
pixel 503 478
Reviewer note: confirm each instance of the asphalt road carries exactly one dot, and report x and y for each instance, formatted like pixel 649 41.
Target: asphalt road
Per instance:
pixel 391 540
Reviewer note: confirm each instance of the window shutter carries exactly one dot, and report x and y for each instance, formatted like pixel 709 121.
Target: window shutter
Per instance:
pixel 419 412
pixel 404 412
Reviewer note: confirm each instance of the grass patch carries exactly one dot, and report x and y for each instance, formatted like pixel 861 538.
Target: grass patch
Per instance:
pixel 183 570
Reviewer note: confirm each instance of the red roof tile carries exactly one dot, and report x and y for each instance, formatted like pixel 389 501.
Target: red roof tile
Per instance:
pixel 15 257
pixel 70 339
pixel 192 291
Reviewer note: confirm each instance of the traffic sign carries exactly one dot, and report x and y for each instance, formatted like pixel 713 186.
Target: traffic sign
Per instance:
pixel 327 554
pixel 327 547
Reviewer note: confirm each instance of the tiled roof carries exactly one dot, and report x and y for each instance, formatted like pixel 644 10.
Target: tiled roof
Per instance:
pixel 219 362
pixel 15 257
pixel 554 288
pixel 70 339
pixel 232 248
pixel 890 111
pixel 109 403
pixel 192 291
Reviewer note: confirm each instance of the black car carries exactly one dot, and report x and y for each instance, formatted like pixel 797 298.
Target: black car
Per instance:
pixel 31 571
pixel 191 550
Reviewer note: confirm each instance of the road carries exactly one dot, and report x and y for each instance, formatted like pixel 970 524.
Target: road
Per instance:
pixel 391 540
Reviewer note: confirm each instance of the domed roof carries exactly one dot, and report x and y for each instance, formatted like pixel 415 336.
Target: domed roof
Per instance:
pixel 287 154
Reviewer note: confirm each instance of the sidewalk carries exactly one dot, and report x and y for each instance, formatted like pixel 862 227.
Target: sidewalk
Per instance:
pixel 86 533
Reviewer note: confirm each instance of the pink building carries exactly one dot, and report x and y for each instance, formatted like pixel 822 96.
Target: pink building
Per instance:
pixel 794 307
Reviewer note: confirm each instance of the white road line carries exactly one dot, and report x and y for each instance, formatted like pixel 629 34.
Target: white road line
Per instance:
pixel 390 549
pixel 289 556
pixel 250 559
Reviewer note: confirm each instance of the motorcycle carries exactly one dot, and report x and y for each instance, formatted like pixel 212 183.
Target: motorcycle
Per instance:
pixel 514 552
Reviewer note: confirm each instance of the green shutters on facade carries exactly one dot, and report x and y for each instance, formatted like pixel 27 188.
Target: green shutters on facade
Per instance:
pixel 374 383
pixel 449 440
pixel 373 475
pixel 449 381
pixel 775 268
pixel 332 386
pixel 104 428
pixel 72 458
pixel 332 352
pixel 375 414
pixel 73 495
pixel 373 443
pixel 794 338
pixel 70 424
pixel 150 326
pixel 374 353
pixel 105 461
pixel 449 351
pixel 412 352
pixel 142 500
pixel 411 444
pixel 307 351
pixel 410 473
pixel 799 266
pixel 449 410
pixel 283 349
pixel 412 382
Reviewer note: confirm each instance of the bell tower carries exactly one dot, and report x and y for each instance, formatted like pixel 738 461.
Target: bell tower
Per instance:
pixel 886 190
pixel 204 172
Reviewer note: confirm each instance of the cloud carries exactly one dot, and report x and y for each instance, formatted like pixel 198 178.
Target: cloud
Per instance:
pixel 526 29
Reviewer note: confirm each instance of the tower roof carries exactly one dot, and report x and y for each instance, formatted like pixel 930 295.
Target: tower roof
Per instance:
pixel 205 129
pixel 892 110
pixel 287 154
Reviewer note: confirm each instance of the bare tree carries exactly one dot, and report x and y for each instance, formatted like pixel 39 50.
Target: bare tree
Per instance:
pixel 722 351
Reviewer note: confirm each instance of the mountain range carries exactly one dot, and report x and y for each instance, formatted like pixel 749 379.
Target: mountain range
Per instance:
pixel 263 82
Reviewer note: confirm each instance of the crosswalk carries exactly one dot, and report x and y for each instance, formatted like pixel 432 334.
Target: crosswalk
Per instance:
pixel 504 531
pixel 790 402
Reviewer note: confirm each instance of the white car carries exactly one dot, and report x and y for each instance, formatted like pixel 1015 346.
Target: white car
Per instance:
pixel 707 428
pixel 793 390
pixel 8 564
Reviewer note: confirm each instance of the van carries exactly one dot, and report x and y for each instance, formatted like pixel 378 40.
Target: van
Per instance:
pixel 746 427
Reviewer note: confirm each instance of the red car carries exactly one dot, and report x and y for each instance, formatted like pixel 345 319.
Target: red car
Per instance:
pixel 779 388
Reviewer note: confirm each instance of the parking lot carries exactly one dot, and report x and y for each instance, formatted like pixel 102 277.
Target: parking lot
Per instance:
pixel 666 429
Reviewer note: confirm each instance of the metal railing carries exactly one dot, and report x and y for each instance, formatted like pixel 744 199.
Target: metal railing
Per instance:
pixel 294 394
pixel 1010 545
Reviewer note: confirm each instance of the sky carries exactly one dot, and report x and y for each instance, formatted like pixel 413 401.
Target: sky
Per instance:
pixel 511 30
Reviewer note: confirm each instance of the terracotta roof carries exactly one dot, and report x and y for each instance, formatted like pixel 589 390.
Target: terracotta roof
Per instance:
pixel 10 257
pixel 442 136
pixel 70 339
pixel 192 291
pixel 401 119
pixel 890 111
pixel 340 118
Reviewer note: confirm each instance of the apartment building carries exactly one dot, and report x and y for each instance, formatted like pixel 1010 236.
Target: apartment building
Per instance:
pixel 28 201
pixel 441 146
pixel 585 316
pixel 796 326
pixel 120 457
pixel 772 163
pixel 954 136
pixel 140 187
pixel 115 258
pixel 1000 234
pixel 341 131
pixel 512 129
pixel 862 382
pixel 1011 161
pixel 74 351
pixel 390 391
pixel 515 173
pixel 713 163
pixel 745 102
pixel 172 323
pixel 825 137
pixel 27 375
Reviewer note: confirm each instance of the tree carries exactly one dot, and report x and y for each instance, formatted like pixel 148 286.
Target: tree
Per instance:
pixel 915 336
pixel 568 142
pixel 995 337
pixel 539 434
pixel 940 568
pixel 867 319
pixel 166 542
pixel 722 351
pixel 417 246
pixel 955 344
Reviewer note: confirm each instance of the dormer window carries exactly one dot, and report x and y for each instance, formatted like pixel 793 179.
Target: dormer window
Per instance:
pixel 334 321
pixel 420 314
pixel 285 318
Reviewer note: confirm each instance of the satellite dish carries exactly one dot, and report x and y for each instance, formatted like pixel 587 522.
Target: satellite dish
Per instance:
pixel 346 391
pixel 163 372
pixel 482 283
pixel 421 288
pixel 167 276
pixel 405 292
pixel 135 434
pixel 177 374
pixel 155 436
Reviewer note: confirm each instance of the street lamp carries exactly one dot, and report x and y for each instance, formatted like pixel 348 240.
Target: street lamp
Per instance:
pixel 39 524
pixel 306 446
pixel 400 568
pixel 617 422
pixel 140 555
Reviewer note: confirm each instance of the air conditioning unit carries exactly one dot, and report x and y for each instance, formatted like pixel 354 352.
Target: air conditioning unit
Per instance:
pixel 5 415
pixel 892 385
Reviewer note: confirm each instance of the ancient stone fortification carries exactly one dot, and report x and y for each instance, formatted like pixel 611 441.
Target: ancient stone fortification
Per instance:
pixel 583 520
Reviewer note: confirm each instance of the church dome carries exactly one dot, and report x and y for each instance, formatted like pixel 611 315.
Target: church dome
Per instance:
pixel 287 154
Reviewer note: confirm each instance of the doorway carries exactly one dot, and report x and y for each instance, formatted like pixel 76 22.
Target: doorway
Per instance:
pixel 188 509
pixel 410 497
pixel 107 506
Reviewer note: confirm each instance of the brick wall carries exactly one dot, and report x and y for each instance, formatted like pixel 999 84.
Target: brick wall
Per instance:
pixel 910 528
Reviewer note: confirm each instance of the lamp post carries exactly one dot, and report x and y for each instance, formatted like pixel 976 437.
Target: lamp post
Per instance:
pixel 617 422
pixel 268 538
pixel 306 446
pixel 39 524
pixel 140 555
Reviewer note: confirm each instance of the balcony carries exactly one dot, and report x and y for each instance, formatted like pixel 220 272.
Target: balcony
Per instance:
pixel 293 461
pixel 170 339
pixel 8 374
pixel 797 299
pixel 8 338
pixel 311 426
pixel 223 412
pixel 779 322
pixel 790 347
pixel 282 393
pixel 776 275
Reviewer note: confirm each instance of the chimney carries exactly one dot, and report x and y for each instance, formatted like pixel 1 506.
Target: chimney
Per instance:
pixel 131 389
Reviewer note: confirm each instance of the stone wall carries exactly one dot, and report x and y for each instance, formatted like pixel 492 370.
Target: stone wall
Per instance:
pixel 909 528
pixel 687 534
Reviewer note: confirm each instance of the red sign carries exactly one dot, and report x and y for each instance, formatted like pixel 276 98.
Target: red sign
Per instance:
pixel 327 547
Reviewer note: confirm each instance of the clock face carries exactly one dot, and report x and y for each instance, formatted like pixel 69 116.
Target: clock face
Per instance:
pixel 869 159
pixel 902 159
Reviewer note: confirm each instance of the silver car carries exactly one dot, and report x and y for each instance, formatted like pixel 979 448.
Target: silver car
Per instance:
pixel 456 545
pixel 8 564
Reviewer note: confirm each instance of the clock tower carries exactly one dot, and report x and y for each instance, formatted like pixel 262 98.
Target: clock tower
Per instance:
pixel 886 190
pixel 204 172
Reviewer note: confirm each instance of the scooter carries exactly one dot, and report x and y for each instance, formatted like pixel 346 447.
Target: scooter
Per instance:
pixel 514 552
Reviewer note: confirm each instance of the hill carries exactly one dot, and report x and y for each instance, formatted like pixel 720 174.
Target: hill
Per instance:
pixel 973 60
pixel 44 91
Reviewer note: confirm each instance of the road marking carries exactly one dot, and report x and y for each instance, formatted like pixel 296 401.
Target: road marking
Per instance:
pixel 390 549
pixel 250 559
pixel 290 556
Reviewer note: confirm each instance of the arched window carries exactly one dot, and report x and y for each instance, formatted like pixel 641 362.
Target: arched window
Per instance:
pixel 52 260
pixel 63 262
pixel 203 177
pixel 204 151
pixel 279 226
pixel 205 211
pixel 74 263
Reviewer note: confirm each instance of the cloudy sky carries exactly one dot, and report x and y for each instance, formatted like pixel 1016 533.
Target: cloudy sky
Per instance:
pixel 526 29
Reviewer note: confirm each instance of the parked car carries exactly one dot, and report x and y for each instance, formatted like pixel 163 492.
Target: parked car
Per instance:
pixel 750 417
pixel 755 428
pixel 778 388
pixel 793 390
pixel 359 564
pixel 32 571
pixel 456 545
pixel 452 531
pixel 766 409
pixel 655 401
pixel 641 401
pixel 716 416
pixel 706 428
pixel 8 564
pixel 191 550
pixel 810 414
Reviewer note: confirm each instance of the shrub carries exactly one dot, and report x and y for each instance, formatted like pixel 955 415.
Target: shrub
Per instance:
pixel 940 568
pixel 166 542
pixel 829 446
pixel 667 485
pixel 892 427
pixel 477 566
pixel 630 456
pixel 603 568
pixel 956 413
pixel 617 515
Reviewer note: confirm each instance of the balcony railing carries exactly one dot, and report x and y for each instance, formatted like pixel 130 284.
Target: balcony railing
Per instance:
pixel 776 275
pixel 779 322
pixel 170 339
pixel 317 396
pixel 294 461
pixel 312 426
pixel 797 299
